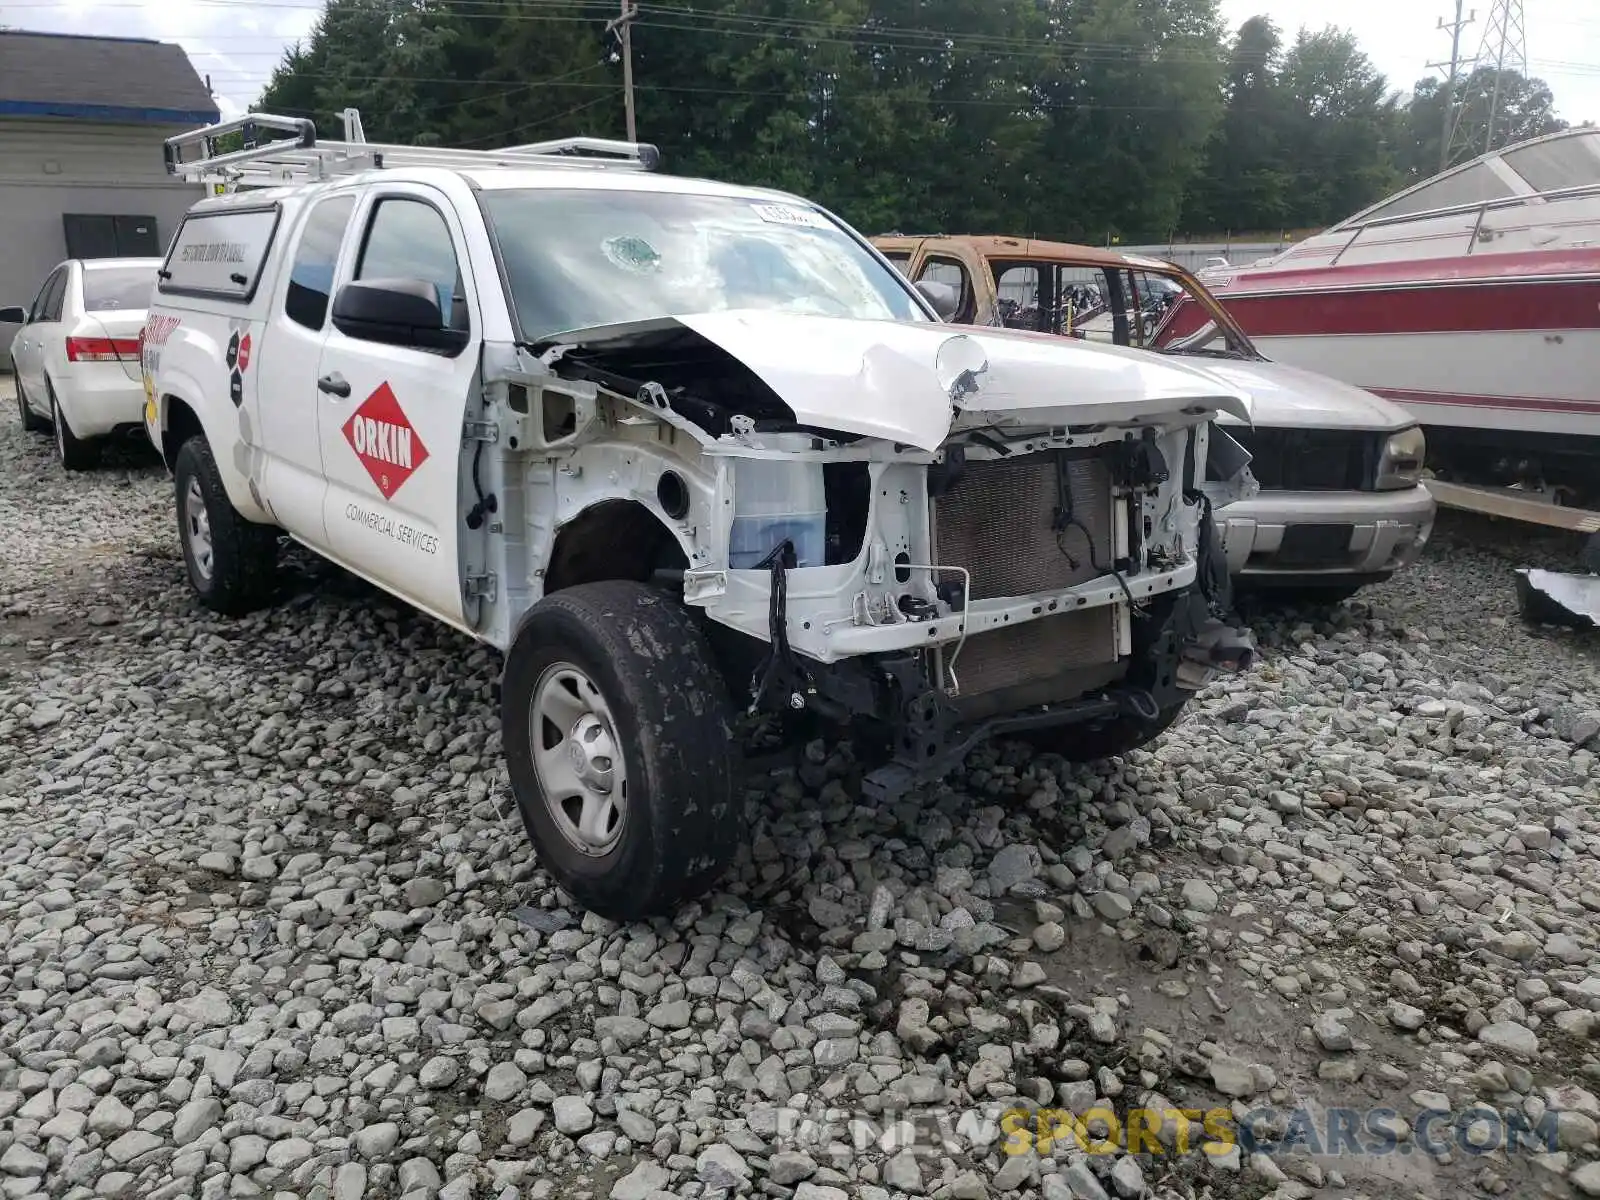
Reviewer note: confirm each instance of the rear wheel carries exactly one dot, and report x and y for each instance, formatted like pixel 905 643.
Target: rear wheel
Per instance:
pixel 75 453
pixel 230 560
pixel 1085 743
pixel 32 422
pixel 619 746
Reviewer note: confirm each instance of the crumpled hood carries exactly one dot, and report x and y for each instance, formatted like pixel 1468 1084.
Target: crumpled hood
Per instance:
pixel 894 380
pixel 1285 397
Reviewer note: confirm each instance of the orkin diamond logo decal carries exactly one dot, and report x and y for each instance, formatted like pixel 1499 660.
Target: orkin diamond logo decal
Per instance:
pixel 384 441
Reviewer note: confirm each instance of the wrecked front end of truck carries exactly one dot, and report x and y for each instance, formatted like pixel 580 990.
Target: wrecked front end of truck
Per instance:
pixel 928 536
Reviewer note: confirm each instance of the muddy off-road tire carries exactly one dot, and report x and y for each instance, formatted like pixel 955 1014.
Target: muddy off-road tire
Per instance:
pixel 619 744
pixel 75 453
pixel 230 560
pixel 32 422
pixel 1082 743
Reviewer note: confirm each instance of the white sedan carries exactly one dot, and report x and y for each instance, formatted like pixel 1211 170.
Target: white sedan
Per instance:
pixel 76 357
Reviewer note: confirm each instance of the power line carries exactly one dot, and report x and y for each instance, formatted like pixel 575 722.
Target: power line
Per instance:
pixel 1447 131
pixel 1504 48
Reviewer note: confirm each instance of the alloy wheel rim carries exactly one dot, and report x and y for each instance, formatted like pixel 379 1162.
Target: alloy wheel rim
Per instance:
pixel 197 525
pixel 578 759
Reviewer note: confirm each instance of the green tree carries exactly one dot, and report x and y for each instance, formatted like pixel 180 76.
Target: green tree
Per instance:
pixel 1244 185
pixel 1525 108
pixel 1133 100
pixel 1340 128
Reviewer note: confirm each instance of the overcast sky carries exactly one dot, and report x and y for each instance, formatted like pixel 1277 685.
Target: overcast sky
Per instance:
pixel 237 42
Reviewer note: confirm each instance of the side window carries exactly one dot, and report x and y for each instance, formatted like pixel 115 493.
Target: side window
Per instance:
pixel 1018 299
pixel 948 271
pixel 898 259
pixel 36 313
pixel 1083 301
pixel 58 292
pixel 408 239
pixel 311 275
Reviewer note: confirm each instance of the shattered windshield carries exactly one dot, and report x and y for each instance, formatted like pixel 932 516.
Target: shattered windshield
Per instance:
pixel 580 258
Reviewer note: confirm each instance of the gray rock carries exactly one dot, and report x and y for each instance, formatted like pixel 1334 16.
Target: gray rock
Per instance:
pixel 673 1014
pixel 524 1126
pixel 194 1118
pixel 19 1160
pixel 638 1184
pixel 134 1144
pixel 1200 896
pixel 572 1115
pixel 439 1072
pixel 903 1172
pixel 1015 1171
pixel 289 1153
pixel 377 1141
pixel 628 1031
pixel 1076 1182
pixel 424 892
pixel 1510 1037
pixel 721 1166
pixel 788 1167
pixel 505 1081
pixel 1404 1016
pixel 350 1182
pixel 1011 865
pixel 1113 906
pixel 110 1117
pixel 1232 1077
pixel 1331 1033
pixel 1586 1179
pixel 1127 1178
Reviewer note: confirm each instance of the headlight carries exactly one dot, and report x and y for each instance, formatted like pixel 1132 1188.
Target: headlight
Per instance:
pixel 1400 463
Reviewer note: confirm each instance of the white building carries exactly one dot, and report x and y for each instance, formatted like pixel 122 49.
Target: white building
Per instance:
pixel 82 120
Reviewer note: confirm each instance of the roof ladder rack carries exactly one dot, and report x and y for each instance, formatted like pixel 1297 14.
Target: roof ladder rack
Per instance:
pixel 281 150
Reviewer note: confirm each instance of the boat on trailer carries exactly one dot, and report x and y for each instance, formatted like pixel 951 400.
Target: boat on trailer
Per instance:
pixel 1472 299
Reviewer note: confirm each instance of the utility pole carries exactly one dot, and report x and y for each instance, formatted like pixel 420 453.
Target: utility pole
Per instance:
pixel 1451 69
pixel 621 26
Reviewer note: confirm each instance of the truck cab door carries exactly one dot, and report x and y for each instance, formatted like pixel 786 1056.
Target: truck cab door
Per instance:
pixel 294 482
pixel 390 417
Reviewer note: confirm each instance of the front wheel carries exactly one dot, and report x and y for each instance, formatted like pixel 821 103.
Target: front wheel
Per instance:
pixel 1085 743
pixel 230 560
pixel 620 748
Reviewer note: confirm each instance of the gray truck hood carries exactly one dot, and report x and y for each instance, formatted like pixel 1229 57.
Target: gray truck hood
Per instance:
pixel 913 383
pixel 1285 397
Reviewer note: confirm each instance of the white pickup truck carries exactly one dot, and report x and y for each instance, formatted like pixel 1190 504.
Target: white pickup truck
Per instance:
pixel 684 452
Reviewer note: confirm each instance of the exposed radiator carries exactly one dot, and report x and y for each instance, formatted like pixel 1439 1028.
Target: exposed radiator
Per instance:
pixel 1036 650
pixel 997 523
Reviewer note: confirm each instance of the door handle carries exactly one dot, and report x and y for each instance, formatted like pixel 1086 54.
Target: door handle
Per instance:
pixel 334 385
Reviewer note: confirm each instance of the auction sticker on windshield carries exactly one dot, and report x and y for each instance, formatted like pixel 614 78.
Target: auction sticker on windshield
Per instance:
pixel 788 214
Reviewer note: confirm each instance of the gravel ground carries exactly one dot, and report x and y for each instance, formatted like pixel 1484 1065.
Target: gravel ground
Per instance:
pixel 259 903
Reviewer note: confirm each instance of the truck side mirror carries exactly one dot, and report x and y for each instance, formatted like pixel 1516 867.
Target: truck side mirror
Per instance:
pixel 944 298
pixel 13 316
pixel 396 312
